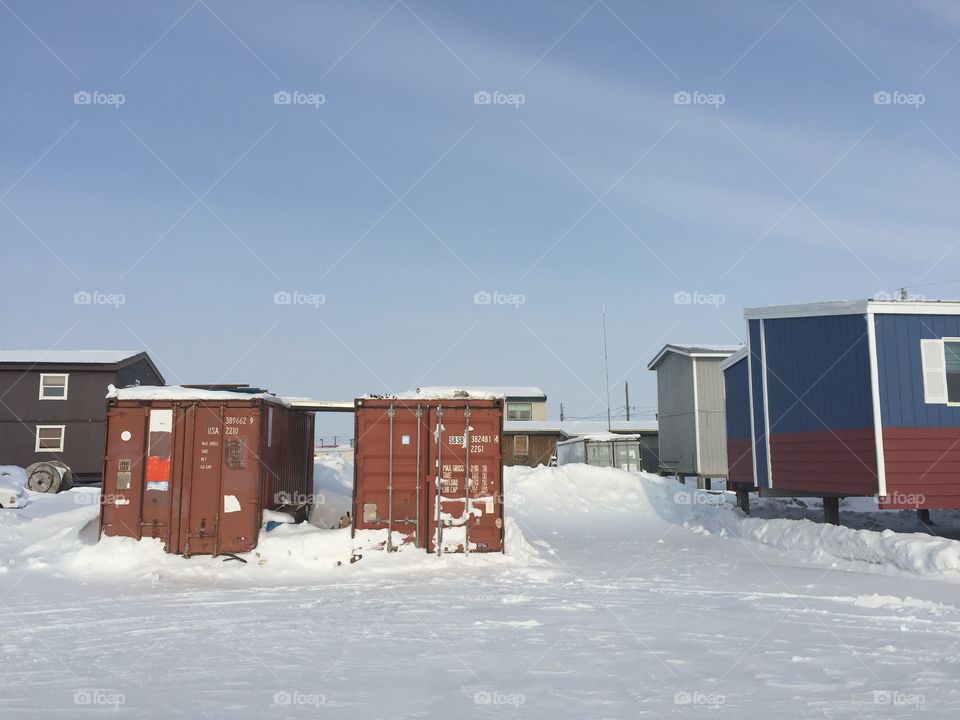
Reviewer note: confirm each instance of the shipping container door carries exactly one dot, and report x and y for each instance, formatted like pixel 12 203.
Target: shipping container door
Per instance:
pixel 240 480
pixel 391 445
pixel 465 515
pixel 200 497
pixel 124 471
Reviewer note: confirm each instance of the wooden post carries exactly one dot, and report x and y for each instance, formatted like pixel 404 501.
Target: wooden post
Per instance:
pixel 831 510
pixel 743 500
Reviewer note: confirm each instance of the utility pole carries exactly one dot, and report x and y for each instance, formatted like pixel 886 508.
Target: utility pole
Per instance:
pixel 606 363
pixel 626 391
pixel 561 413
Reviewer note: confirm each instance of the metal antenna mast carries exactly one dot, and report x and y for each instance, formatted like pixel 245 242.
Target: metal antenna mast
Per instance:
pixel 606 363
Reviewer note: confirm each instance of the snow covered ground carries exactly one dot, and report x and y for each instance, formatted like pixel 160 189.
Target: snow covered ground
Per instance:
pixel 621 595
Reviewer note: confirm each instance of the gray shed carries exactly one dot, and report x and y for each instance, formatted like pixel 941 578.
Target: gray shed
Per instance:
pixel 690 409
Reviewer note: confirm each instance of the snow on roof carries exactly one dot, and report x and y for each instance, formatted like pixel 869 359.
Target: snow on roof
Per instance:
pixel 73 357
pixel 512 391
pixel 573 428
pixel 178 392
pixel 694 350
pixel 602 437
pixel 445 392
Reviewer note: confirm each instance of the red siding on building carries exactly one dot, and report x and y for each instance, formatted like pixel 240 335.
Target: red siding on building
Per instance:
pixel 829 461
pixel 739 462
pixel 922 467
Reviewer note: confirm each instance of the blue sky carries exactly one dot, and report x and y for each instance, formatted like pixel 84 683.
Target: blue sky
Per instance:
pixel 398 198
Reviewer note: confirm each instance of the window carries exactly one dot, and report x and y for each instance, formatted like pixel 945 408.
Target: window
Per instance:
pixel 519 411
pixel 49 438
pixel 941 371
pixel 521 445
pixel 951 355
pixel 53 386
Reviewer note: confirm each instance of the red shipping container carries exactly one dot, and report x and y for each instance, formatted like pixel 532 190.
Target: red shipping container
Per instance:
pixel 413 456
pixel 196 468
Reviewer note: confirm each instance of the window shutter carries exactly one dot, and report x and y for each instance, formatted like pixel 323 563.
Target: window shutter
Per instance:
pixel 934 372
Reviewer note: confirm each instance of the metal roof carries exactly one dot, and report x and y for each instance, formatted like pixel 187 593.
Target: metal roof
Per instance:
pixel 855 307
pixel 71 357
pixel 735 358
pixel 699 350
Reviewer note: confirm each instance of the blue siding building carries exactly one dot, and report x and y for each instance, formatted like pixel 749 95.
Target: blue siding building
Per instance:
pixel 851 398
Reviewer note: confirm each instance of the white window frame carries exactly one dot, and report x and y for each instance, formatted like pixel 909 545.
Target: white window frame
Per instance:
pixel 66 385
pixel 946 389
pixel 520 402
pixel 63 436
pixel 526 440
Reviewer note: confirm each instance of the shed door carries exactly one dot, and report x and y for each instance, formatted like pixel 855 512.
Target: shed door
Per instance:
pixel 462 515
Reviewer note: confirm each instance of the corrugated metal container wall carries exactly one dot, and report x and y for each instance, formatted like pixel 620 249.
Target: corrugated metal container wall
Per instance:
pixel 921 441
pixel 820 404
pixel 412 461
pixel 197 474
pixel 737 408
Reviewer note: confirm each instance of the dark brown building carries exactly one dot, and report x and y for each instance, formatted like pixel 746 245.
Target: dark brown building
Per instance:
pixel 53 406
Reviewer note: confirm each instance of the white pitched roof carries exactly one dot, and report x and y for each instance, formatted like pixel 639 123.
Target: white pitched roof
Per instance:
pixel 698 350
pixel 734 359
pixel 73 357
pixel 856 307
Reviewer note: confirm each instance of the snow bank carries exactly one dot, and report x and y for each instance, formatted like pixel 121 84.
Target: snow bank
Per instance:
pixel 716 513
pixel 58 535
pixel 592 494
pixel 332 491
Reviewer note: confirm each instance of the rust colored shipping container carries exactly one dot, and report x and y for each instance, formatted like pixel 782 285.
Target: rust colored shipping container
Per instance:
pixel 196 468
pixel 413 455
